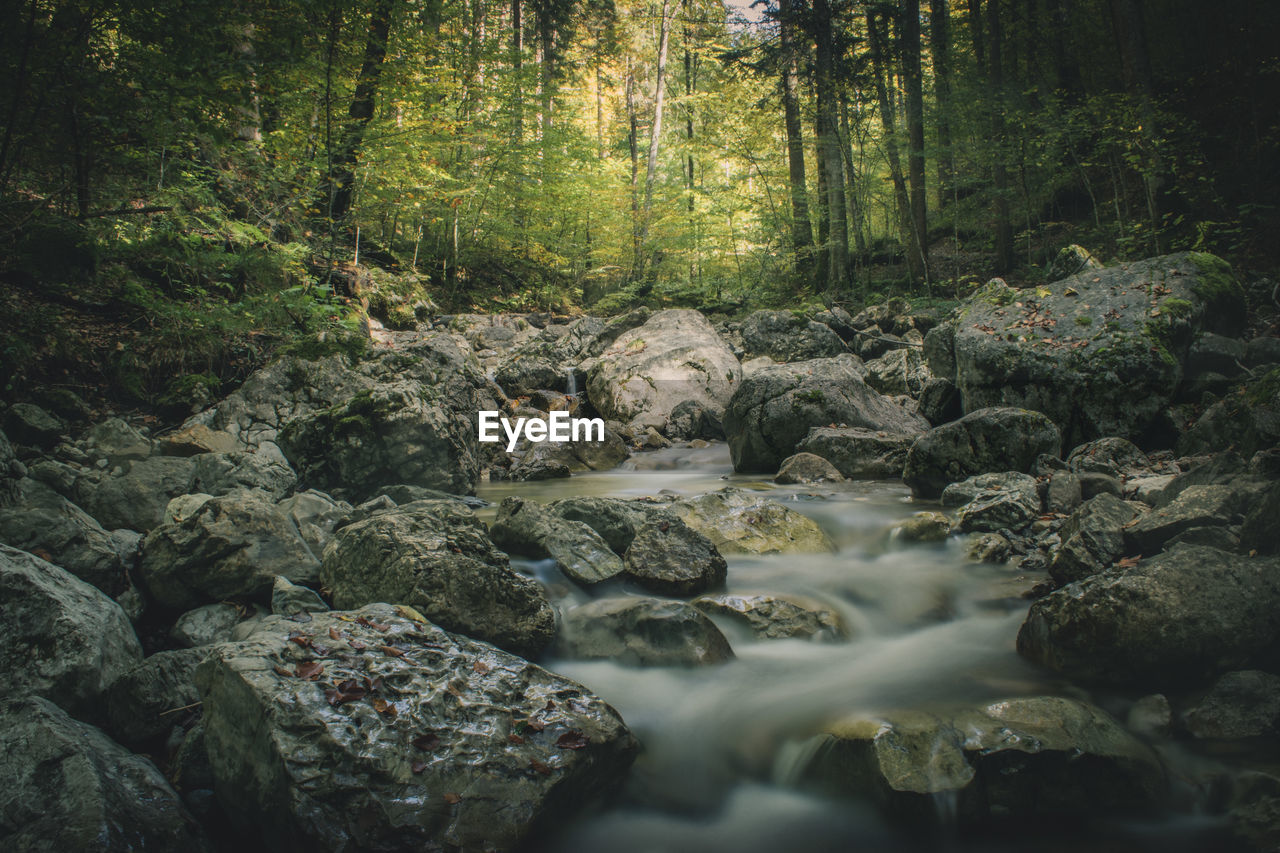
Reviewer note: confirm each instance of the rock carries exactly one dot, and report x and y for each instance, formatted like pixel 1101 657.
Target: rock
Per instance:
pixel 136 498
pixel 1115 457
pixel 204 626
pixel 776 617
pixel 55 529
pixel 1038 756
pixel 232 546
pixel 1101 352
pixel 142 704
pixel 692 419
pixel 940 402
pixel 738 522
pixel 972 488
pixel 1064 494
pixel 1000 502
pixel 183 507
pixel 11 472
pixel 436 556
pixel 859 453
pixel 1070 261
pixel 1222 538
pixel 1197 506
pixel 939 351
pixel 1260 532
pixel 1146 489
pixel 924 527
pixel 806 468
pixel 195 439
pixel 63 639
pixel 642 632
pixel 1244 704
pixel 1093 537
pixel 982 441
pixel 1247 420
pixel 1188 614
pixel 989 548
pixel 27 423
pixel 1254 809
pixel 222 473
pixel 899 371
pixel 541 462
pixel 783 337
pixel 773 410
pixel 316 516
pixel 116 441
pixel 675 356
pixel 479 748
pixel 291 599
pixel 1151 716
pixel 70 787
pixel 1094 483
pixel 527 528
pixel 614 519
pixel 399 432
pixel 670 558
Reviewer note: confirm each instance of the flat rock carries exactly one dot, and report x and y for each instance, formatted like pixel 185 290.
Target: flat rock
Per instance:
pixel 529 529
pixel 739 522
pixel 859 453
pixel 776 617
pixel 642 632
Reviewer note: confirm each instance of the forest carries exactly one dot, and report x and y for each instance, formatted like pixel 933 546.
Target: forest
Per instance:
pixel 188 184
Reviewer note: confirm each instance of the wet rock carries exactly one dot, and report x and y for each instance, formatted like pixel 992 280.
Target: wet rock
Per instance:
pixel 232 546
pixel 675 356
pixel 1198 506
pixel 291 599
pixel 222 473
pixel 774 409
pixel 204 626
pixel 983 441
pixel 1188 614
pixel 924 527
pixel 1260 532
pixel 1115 457
pixel 642 632
pixel 143 704
pixel 426 740
pixel 136 498
pixel 940 402
pixel 70 787
pixel 972 488
pixel 48 525
pixel 436 556
pixel 692 419
pixel 783 337
pixel 399 432
pixel 316 515
pixel 671 558
pixel 1003 509
pixel 63 639
pixel 541 462
pixel 549 460
pixel 1093 538
pixel 899 371
pixel 1064 493
pixel 1247 420
pixel 859 453
pixel 1242 704
pixel 116 441
pixel 1222 538
pixel 738 522
pixel 614 519
pixel 1041 756
pixel 806 468
pixel 1070 261
pixel 1094 483
pixel 27 423
pixel 531 530
pixel 11 472
pixel 989 548
pixel 775 617
pixel 1151 716
pixel 195 439
pixel 1147 489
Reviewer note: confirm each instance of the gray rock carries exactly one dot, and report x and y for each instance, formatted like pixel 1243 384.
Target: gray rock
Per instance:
pixel 989 548
pixel 529 529
pixel 1070 261
pixel 899 371
pixel 642 632
pixel 939 350
pixel 117 441
pixel 671 558
pixel 1115 457
pixel 1094 483
pixel 547 460
pixel 981 442
pixel 1151 716
pixel 11 472
pixel 204 626
pixel 63 639
pixel 859 453
pixel 195 439
pixel 1041 756
pixel 1006 508
pixel 1260 532
pixel 222 473
pixel 70 787
pixel 804 468
pixel 1253 809
pixel 739 522
pixel 1197 506
pixel 693 419
pixel 1093 537
pixel 1247 420
pixel 436 556
pixel 290 599
pixel 614 519
pixel 924 527
pixel 27 423
pixel 1188 614
pixel 940 402
pixel 972 488
pixel 136 498
pixel 783 336
pixel 316 516
pixel 1242 704
pixel 776 617
pixel 143 704
pixel 427 740
pixel 232 546
pixel 774 409
pixel 1064 493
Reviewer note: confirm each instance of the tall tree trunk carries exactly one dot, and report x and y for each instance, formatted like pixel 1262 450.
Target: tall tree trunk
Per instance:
pixel 547 68
pixel 1131 37
pixel 801 230
pixel 1000 175
pixel 940 50
pixel 633 148
pixel 911 73
pixel 1066 69
pixel 249 111
pixel 829 146
pixel 655 131
pixel 906 226
pixel 517 74
pixel 856 215
pixel 342 174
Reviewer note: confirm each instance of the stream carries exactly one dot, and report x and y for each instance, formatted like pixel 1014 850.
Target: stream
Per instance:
pixel 723 745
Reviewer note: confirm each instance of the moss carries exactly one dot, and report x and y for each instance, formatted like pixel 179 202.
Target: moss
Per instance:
pixel 352 345
pixel 1158 334
pixel 1176 308
pixel 1082 320
pixel 1264 391
pixel 996 293
pixel 813 395
pixel 1217 281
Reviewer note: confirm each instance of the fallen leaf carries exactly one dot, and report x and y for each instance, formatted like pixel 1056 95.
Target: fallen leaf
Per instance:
pixel 309 670
pixel 535 764
pixel 282 671
pixel 369 623
pixel 452 799
pixel 426 742
pixel 418 767
pixel 515 739
pixel 358 646
pixel 301 639
pixel 333 634
pixel 1129 562
pixel 551 706
pixel 480 667
pixel 572 740
pixel 392 651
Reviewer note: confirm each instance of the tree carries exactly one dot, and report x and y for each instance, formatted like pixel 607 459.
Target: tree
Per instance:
pixel 801 230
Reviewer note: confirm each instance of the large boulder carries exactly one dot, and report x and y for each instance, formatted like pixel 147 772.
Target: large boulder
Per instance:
pixel 232 546
pixel 988 440
pixel 148 700
pixel 67 786
pixel 899 371
pixel 615 519
pixel 807 468
pixel 548 360
pixel 531 530
pixel 220 473
pixel 642 632
pixel 671 558
pixel 773 410
pixel 1188 614
pixel 401 432
pixel 675 356
pixel 376 730
pixel 1093 537
pixel 994 502
pixel 859 453
pixel 1101 352
pixel 1247 419
pixel 1244 704
pixel 136 497
pixel 1194 507
pixel 775 617
pixel 63 639
pixel 436 556
pixel 1041 756
pixel 783 336
pixel 739 522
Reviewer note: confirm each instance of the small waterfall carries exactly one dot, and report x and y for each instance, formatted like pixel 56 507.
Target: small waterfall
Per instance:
pixel 571 382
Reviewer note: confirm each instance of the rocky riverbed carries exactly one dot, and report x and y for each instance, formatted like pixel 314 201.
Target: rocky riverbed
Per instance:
pixel 993 579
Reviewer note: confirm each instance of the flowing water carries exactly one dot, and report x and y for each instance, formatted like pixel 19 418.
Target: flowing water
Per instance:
pixel 723 744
